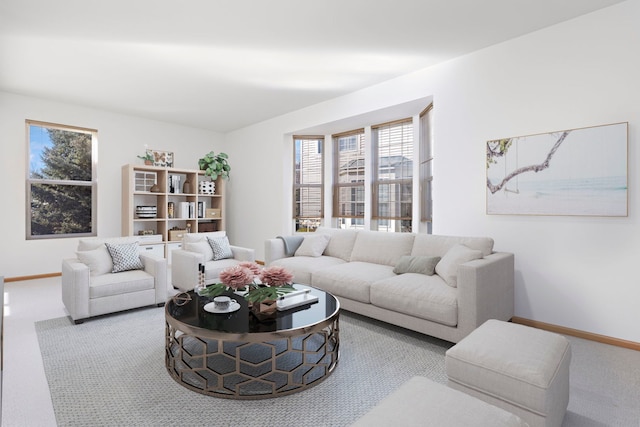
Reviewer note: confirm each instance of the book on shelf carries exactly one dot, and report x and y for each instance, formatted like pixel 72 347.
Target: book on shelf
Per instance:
pixel 174 184
pixel 201 208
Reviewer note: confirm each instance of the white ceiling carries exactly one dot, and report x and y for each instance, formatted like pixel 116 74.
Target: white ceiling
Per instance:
pixel 225 64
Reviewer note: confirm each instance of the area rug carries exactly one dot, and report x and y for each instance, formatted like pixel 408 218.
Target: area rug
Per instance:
pixel 110 371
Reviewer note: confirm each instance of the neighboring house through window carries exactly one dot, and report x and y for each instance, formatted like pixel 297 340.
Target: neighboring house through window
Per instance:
pixel 349 179
pixel 308 181
pixel 374 183
pixel 61 181
pixel 393 176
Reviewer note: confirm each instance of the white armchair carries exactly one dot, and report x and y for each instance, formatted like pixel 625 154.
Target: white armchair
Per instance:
pixel 196 250
pixel 90 288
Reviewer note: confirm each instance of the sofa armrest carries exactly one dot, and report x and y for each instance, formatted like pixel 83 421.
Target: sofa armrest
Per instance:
pixel 485 290
pixel 75 288
pixel 243 254
pixel 184 269
pixel 273 250
pixel 157 267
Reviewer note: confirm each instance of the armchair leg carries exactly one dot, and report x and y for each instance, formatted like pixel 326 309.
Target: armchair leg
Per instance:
pixel 161 304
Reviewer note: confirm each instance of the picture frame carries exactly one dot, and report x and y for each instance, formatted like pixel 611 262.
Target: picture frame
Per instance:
pixel 580 172
pixel 161 158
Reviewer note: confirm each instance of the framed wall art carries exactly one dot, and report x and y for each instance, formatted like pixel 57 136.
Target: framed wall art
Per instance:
pixel 161 158
pixel 569 172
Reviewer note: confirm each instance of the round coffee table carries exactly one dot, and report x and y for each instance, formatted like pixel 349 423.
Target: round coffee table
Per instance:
pixel 236 355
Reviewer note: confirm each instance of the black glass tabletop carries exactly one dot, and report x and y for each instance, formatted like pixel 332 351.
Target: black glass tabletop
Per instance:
pixel 192 314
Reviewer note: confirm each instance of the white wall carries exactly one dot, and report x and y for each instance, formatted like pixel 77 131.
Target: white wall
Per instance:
pixel 120 139
pixel 577 272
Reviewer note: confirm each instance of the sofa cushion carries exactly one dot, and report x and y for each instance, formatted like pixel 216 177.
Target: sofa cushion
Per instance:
pixel 313 245
pixel 98 260
pixel 201 237
pixel 202 247
pixel 121 283
pixel 426 297
pixel 350 280
pixel 95 242
pixel 434 245
pixel 447 268
pixel 221 248
pixel 381 248
pixel 303 266
pixel 416 264
pixel 125 257
pixel 341 242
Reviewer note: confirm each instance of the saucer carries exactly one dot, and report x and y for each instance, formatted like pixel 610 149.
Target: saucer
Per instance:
pixel 211 308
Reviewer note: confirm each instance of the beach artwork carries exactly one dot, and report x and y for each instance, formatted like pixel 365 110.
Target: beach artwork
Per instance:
pixel 570 172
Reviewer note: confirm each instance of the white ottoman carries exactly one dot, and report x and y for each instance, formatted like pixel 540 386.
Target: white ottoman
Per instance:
pixel 421 402
pixel 518 368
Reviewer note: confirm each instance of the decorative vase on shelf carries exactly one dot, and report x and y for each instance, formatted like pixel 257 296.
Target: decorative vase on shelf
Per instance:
pixel 186 187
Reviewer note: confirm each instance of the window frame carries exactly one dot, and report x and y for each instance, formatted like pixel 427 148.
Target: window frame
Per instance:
pixel 426 166
pixel 30 182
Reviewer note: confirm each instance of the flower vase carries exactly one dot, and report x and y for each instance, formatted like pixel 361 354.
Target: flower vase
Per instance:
pixel 265 310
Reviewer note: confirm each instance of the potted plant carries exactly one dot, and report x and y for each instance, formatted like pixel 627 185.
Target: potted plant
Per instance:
pixel 148 158
pixel 215 165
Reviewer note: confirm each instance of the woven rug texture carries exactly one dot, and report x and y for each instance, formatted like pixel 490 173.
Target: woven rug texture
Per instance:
pixel 110 371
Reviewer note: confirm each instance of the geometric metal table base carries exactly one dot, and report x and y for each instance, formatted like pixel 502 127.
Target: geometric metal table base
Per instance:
pixel 252 366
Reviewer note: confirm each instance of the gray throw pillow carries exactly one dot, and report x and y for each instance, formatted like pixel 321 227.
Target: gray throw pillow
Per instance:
pixel 416 264
pixel 221 248
pixel 125 257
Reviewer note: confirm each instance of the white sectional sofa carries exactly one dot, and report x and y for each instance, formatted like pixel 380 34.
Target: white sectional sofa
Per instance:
pixel 469 284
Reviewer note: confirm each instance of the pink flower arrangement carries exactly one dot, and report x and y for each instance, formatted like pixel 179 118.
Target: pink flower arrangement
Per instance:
pixel 237 277
pixel 276 276
pixel 260 283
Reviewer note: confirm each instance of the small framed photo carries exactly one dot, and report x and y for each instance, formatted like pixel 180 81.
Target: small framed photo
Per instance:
pixel 161 158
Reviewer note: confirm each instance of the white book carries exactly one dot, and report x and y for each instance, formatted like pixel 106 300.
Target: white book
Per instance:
pixel 183 210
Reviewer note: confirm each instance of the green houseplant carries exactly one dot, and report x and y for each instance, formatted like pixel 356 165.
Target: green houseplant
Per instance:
pixel 215 165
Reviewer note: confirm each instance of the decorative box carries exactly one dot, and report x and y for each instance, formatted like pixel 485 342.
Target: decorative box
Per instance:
pixel 213 213
pixel 176 235
pixel 207 187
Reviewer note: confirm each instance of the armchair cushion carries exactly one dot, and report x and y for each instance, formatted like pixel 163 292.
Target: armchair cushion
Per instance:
pixel 202 247
pixel 117 284
pixel 221 248
pixel 98 260
pixel 125 257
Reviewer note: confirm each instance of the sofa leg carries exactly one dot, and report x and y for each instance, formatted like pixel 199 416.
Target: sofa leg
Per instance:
pixel 79 321
pixel 161 304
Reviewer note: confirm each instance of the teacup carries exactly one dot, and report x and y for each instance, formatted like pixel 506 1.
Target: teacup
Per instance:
pixel 222 303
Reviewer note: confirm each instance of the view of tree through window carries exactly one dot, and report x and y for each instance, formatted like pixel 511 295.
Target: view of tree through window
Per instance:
pixel 60 185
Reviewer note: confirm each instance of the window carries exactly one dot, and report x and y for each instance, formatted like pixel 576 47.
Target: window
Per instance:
pixel 426 167
pixel 308 182
pixel 348 189
pixel 61 181
pixel 393 175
